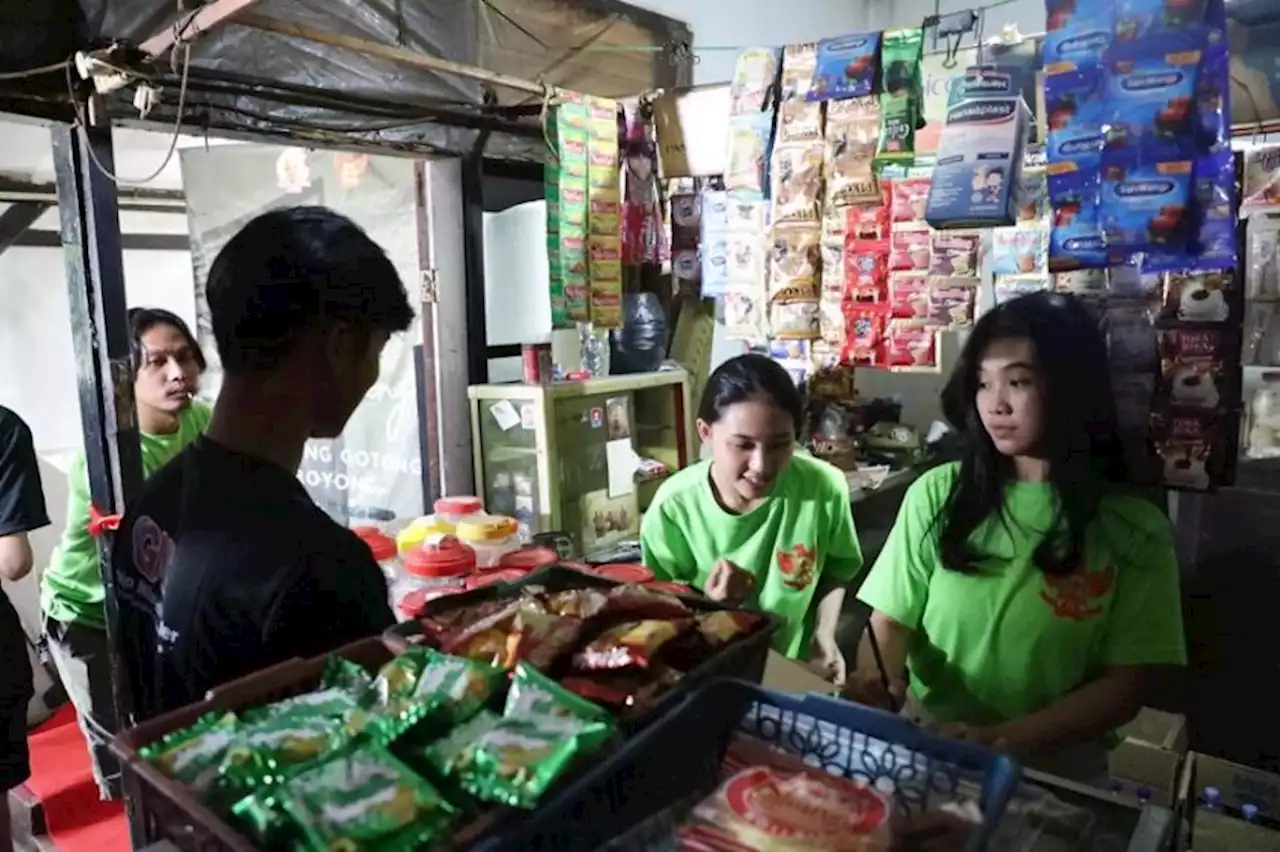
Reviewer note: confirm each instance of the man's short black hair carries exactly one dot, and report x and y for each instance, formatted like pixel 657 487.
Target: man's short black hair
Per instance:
pixel 292 270
pixel 142 320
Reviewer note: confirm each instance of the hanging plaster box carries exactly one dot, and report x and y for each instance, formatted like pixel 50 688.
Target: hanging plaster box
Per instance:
pixel 979 161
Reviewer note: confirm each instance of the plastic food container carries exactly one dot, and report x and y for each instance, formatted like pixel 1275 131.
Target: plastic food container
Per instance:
pixel 625 572
pixel 528 558
pixel 491 536
pixel 419 529
pixel 455 510
pixel 434 568
pixel 383 548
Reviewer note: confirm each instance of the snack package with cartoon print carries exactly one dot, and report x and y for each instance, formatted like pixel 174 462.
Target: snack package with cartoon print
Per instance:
pixel 271 751
pixel 423 685
pixel 366 800
pixel 192 755
pixel 341 687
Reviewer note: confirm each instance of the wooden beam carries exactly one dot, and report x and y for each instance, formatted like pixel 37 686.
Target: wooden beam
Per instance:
pixel 14 189
pixel 128 242
pixel 386 51
pixel 188 28
pixel 15 221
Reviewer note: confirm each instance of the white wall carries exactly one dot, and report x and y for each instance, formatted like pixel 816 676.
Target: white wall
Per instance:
pixel 1027 14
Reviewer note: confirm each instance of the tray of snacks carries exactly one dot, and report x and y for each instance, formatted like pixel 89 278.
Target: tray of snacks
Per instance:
pixel 632 648
pixel 739 767
pixel 366 748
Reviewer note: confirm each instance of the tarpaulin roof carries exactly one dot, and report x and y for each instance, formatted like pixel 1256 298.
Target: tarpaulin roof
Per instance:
pixel 247 76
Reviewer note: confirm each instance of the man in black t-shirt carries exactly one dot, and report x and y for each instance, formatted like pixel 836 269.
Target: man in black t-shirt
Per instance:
pixel 21 511
pixel 252 571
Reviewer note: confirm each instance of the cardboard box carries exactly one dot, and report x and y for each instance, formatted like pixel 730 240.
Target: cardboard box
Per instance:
pixel 1238 785
pixel 1151 754
pixel 787 675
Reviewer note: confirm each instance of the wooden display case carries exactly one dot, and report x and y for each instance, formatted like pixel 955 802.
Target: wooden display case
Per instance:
pixel 560 457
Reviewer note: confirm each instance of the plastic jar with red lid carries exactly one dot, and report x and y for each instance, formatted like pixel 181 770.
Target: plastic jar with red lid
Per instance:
pixel 383 548
pixel 455 510
pixel 438 564
pixel 528 559
pixel 491 537
pixel 624 572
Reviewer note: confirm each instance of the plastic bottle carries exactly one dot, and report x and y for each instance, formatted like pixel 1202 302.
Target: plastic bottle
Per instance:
pixel 1249 813
pixel 1144 796
pixel 1211 799
pixel 1117 787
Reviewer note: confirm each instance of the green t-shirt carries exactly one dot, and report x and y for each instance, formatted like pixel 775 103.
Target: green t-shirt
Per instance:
pixel 71 587
pixel 801 533
pixel 995 646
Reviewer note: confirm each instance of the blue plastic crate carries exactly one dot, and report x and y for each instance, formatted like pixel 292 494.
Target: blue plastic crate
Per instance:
pixel 640 790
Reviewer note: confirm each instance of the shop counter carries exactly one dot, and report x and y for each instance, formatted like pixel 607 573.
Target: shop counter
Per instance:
pixel 1122 823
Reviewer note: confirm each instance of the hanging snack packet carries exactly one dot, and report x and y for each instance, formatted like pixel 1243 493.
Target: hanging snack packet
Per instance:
pixel 910 197
pixel 868 222
pixel 831 279
pixel 1194 367
pixel 746 260
pixel 745 315
pixel 845 67
pixel 746 215
pixel 1032 196
pixel 951 301
pixel 1146 207
pixel 1150 106
pixel 1152 19
pixel 910 251
pixel 1075 241
pixel 1081 282
pixel 794 320
pixel 1213 215
pixel 1184 445
pixel 1213 97
pixel 750 136
pixel 832 322
pixel 865 346
pixel 754 76
pixel 795 261
pixel 1076 104
pixel 1012 288
pixel 954 253
pixel 910 344
pixel 866 270
pixel 366 799
pixel 852 127
pixel 909 295
pixel 797 183
pixel 628 645
pixel 605 276
pixel 192 755
pixel 1019 251
pixel 900 98
pixel 1199 297
pixel 798 119
pixel 1077 33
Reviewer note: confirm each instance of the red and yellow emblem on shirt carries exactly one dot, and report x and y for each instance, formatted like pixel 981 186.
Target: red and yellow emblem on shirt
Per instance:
pixel 798 567
pixel 1076 596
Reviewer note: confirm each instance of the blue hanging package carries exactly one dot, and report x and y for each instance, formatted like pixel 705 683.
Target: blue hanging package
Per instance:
pixel 1144 19
pixel 1075 241
pixel 1214 245
pixel 846 68
pixel 1078 32
pixel 1213 92
pixel 1145 206
pixel 1074 104
pixel 1151 99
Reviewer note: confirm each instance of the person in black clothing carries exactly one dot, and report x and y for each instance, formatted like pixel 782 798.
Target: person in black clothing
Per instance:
pixel 22 510
pixel 252 571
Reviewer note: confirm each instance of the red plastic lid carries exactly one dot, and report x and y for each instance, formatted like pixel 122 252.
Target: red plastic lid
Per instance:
pixel 625 572
pixel 528 558
pixel 412 603
pixel 380 544
pixel 486 578
pixel 446 556
pixel 577 566
pixel 673 588
pixel 458 506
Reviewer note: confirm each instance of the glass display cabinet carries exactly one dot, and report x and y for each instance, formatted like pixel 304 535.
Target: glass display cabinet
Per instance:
pixel 579 457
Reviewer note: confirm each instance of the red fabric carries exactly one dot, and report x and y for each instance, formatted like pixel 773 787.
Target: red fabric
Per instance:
pixel 63 781
pixel 100 523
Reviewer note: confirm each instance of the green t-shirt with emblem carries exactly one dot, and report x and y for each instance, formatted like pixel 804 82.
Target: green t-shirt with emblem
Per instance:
pixel 71 587
pixel 802 533
pixel 1007 641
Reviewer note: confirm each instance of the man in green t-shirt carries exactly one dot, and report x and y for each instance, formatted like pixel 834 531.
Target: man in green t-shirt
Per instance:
pixel 168 364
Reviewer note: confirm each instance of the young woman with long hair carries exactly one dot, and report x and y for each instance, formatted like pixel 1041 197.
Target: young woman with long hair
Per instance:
pixel 1025 596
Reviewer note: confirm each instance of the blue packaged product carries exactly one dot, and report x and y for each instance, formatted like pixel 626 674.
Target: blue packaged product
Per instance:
pixel 1074 105
pixel 1141 19
pixel 1077 32
pixel 1151 99
pixel 979 164
pixel 980 82
pixel 1075 240
pixel 1214 212
pixel 846 67
pixel 1213 103
pixel 1146 206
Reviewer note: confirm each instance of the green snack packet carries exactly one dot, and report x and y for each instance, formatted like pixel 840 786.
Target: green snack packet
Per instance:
pixel 341 686
pixel 901 96
pixel 365 800
pixel 534 694
pixel 435 687
pixel 192 755
pixel 271 751
pixel 263 818
pixel 449 753
pixel 520 758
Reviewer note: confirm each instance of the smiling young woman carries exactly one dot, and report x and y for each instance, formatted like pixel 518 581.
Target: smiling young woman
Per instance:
pixel 1024 598
pixel 758 520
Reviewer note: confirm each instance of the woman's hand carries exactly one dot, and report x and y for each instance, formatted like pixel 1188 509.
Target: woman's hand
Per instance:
pixel 827 656
pixel 987 736
pixel 868 688
pixel 728 583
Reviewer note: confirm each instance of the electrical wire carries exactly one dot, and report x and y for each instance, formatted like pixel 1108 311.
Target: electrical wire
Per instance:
pixel 34 72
